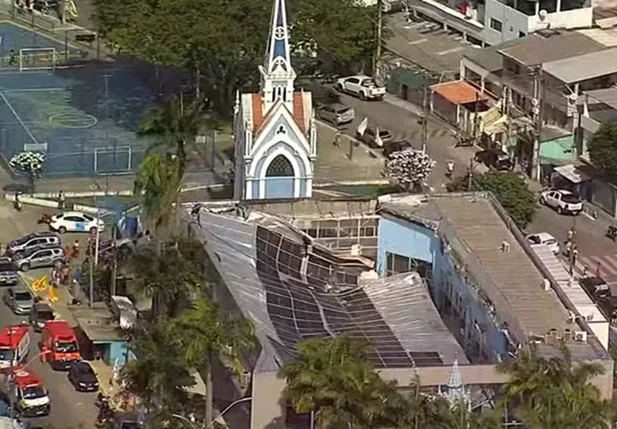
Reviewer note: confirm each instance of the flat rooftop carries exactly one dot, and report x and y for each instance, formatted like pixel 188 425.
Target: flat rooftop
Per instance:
pixel 510 281
pixel 535 49
pixel 583 67
pixel 293 289
pixel 98 323
pixel 606 96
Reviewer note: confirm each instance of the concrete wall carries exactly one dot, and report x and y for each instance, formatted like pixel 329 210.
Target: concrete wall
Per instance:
pixel 514 21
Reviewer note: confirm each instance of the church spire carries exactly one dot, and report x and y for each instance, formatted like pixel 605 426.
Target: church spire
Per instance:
pixel 277 74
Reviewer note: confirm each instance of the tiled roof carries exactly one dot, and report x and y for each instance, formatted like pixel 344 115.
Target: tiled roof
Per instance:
pixel 260 117
pixel 458 92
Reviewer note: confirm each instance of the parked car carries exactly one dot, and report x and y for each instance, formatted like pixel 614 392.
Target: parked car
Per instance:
pixel 370 137
pixel 546 239
pixel 76 222
pixel 33 241
pixel 597 288
pixel 397 146
pixel 8 272
pixel 336 113
pixel 83 377
pixel 495 159
pixel 363 87
pixel 18 299
pixel 39 314
pixel 562 201
pixel 47 256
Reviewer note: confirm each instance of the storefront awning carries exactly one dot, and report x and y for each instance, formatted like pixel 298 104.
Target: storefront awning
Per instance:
pixel 571 173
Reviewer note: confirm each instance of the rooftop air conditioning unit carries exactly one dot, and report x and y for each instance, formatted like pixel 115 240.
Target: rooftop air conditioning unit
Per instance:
pixel 505 247
pixel 580 336
pixel 571 316
pixel 546 284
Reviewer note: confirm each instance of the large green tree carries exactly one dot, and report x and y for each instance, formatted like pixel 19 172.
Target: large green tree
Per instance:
pixel 555 392
pixel 603 149
pixel 509 188
pixel 204 333
pixel 222 42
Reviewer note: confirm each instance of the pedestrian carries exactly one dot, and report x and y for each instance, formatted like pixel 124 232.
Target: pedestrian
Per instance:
pixel 61 199
pixel 585 271
pixel 574 254
pixel 68 254
pixel 12 58
pixel 337 139
pixel 75 249
pixel 450 169
pixel 599 270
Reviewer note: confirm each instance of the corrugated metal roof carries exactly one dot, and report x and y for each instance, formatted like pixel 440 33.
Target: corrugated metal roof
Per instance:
pixel 583 67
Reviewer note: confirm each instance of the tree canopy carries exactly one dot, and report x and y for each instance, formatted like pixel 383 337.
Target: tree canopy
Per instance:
pixel 224 41
pixel 509 188
pixel 603 149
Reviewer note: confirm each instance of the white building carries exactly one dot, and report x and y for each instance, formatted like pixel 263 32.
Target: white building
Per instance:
pixel 274 130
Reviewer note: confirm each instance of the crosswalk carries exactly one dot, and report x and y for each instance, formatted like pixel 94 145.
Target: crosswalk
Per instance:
pixel 416 135
pixel 607 263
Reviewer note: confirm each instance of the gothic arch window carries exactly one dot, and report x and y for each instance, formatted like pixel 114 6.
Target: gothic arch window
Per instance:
pixel 280 167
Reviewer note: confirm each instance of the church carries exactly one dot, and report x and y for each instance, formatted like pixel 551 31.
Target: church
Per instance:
pixel 274 130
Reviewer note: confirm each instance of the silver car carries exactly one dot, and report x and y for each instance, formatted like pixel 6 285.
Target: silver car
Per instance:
pixel 19 299
pixel 47 256
pixel 33 241
pixel 336 113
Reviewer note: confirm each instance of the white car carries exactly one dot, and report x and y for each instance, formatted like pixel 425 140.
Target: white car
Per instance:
pixel 546 239
pixel 75 222
pixel 361 86
pixel 563 201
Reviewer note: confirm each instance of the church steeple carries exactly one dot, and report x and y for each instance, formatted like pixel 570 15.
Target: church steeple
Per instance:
pixel 277 74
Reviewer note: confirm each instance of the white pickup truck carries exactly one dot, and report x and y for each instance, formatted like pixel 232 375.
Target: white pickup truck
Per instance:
pixel 363 87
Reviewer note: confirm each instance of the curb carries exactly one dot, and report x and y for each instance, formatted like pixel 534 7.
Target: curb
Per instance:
pixel 352 138
pixel 54 205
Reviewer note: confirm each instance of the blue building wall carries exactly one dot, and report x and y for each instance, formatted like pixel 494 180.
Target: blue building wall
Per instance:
pixel 117 350
pixel 452 295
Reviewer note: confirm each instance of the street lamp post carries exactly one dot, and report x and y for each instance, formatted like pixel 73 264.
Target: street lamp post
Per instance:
pixel 230 406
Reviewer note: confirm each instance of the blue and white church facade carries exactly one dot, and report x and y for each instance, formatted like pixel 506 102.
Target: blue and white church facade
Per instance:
pixel 274 130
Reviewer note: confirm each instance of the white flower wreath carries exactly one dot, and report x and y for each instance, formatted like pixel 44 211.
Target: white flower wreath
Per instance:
pixel 29 162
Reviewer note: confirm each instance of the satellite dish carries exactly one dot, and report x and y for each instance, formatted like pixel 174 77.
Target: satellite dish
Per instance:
pixel 542 14
pixel 572 98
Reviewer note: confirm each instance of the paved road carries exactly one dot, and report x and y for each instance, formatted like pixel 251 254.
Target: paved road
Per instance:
pixel 590 238
pixel 404 124
pixel 68 407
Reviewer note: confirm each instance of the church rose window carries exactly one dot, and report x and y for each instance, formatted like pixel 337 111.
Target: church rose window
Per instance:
pixel 280 167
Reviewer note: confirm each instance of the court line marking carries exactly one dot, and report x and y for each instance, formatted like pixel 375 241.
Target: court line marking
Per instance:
pixel 26 129
pixel 35 89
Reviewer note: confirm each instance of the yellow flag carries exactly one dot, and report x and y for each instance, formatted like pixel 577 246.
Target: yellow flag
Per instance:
pixel 53 297
pixel 40 284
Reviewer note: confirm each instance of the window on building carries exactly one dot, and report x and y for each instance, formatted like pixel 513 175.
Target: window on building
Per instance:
pixel 280 167
pixel 496 25
pixel 521 34
pixel 397 264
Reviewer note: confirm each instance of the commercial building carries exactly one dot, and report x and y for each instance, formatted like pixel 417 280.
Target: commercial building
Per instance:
pixel 440 285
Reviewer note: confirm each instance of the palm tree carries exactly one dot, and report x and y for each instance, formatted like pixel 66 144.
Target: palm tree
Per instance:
pixel 160 176
pixel 160 372
pixel 334 379
pixel 205 334
pixel 167 274
pixel 555 392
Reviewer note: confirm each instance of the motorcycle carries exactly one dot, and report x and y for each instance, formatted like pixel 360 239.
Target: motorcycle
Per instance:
pixel 101 401
pixel 611 232
pixel 45 218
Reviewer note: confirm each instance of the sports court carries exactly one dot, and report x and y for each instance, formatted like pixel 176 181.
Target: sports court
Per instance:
pixel 84 117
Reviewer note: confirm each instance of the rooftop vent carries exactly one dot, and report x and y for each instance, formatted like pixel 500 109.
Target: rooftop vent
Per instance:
pixel 505 247
pixel 546 284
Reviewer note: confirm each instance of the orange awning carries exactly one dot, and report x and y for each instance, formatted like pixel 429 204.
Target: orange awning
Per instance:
pixel 458 92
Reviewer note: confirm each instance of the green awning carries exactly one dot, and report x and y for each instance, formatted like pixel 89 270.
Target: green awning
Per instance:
pixel 558 151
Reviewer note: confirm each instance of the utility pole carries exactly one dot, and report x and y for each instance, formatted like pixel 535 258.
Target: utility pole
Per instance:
pixel 476 118
pixel 11 379
pixel 572 246
pixel 424 115
pixel 537 120
pixel 377 61
pixel 470 176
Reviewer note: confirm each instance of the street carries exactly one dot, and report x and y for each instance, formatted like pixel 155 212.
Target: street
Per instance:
pixel 406 125
pixel 594 247
pixel 68 407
